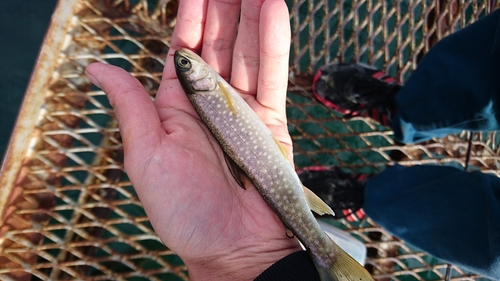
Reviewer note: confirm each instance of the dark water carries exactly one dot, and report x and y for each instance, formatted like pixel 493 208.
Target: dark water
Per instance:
pixel 22 27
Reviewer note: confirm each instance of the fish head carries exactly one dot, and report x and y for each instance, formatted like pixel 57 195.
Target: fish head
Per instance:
pixel 194 74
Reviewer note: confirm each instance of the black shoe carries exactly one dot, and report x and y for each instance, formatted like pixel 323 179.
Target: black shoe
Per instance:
pixel 344 193
pixel 357 90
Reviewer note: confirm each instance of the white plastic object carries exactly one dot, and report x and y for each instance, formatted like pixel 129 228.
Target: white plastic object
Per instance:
pixel 351 245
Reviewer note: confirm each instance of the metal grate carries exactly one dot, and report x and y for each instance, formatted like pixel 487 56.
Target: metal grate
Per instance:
pixel 68 209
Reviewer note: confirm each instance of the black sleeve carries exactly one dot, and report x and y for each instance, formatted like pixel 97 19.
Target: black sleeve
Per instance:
pixel 294 267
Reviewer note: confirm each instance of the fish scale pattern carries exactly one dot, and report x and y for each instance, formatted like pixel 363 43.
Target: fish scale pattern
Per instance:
pixel 72 213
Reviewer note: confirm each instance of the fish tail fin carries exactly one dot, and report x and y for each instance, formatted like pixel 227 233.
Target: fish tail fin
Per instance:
pixel 344 269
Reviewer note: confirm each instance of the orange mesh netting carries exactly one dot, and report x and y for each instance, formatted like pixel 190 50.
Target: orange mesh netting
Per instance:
pixel 69 210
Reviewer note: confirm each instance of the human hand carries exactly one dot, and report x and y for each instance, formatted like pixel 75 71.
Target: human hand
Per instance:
pixel 220 230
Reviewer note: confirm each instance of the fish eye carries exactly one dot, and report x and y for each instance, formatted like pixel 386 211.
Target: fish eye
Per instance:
pixel 183 63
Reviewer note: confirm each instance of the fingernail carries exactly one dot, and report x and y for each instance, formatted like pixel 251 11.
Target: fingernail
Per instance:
pixel 92 79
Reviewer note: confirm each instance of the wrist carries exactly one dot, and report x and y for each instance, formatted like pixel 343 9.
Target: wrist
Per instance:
pixel 245 263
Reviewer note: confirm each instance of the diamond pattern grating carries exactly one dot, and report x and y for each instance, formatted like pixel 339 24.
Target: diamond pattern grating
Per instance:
pixel 72 214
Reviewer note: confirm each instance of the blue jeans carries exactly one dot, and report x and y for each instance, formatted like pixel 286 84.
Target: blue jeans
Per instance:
pixel 449 213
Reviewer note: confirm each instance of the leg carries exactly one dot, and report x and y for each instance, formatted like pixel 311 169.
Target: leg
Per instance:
pixel 452 214
pixel 455 87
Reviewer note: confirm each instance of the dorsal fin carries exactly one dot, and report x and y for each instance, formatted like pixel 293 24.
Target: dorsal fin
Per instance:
pixel 227 97
pixel 316 204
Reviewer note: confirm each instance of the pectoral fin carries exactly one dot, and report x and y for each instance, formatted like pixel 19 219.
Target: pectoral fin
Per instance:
pixel 316 204
pixel 227 97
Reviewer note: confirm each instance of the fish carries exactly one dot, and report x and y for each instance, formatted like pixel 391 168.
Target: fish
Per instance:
pixel 255 155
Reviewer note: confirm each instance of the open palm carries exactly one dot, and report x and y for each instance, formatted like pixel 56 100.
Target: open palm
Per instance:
pixel 173 161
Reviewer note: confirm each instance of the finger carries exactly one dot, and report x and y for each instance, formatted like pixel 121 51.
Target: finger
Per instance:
pixel 220 34
pixel 274 54
pixel 136 114
pixel 188 31
pixel 245 67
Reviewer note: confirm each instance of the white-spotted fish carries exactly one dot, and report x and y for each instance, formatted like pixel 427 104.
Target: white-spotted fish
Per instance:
pixel 251 146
